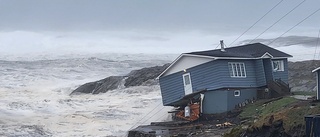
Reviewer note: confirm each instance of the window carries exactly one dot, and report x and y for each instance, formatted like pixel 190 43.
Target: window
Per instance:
pixel 236 93
pixel 186 79
pixel 277 65
pixel 237 69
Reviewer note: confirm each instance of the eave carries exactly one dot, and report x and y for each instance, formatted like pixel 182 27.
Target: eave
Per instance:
pixel 216 58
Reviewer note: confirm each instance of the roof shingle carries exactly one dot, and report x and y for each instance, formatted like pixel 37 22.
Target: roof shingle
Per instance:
pixel 254 50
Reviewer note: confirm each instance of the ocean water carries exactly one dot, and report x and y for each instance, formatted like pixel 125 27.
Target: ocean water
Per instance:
pixel 35 100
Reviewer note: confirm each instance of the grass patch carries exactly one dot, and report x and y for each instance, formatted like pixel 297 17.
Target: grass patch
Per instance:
pixel 288 109
pixel 305 93
pixel 259 109
pixel 292 116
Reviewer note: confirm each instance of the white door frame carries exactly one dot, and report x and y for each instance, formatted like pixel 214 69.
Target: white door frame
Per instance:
pixel 187 85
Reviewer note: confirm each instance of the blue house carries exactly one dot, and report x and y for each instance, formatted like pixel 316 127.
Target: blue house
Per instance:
pixel 225 78
pixel 317 70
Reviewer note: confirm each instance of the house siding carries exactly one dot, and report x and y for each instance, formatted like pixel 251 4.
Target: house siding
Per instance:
pixel 283 75
pixel 219 101
pixel 215 74
pixel 215 102
pixel 260 74
pixel 211 75
pixel 244 95
pixel 268 69
pixel 172 88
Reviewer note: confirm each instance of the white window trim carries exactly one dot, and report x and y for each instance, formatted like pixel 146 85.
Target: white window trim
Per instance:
pixel 234 93
pixel 281 65
pixel 233 72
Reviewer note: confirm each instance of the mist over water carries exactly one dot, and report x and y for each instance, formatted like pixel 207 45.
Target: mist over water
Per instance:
pixel 24 45
pixel 35 97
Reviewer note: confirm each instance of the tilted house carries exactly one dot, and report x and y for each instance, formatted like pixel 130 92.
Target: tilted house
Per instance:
pixel 225 77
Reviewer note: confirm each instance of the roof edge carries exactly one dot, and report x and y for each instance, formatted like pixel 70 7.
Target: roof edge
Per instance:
pixel 183 54
pixel 315 70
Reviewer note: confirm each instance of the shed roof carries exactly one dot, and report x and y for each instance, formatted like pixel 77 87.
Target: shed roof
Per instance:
pixel 254 50
pixel 315 69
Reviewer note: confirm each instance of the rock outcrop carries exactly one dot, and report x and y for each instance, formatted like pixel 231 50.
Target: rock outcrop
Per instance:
pixel 100 86
pixel 141 77
pixel 300 78
pixel 144 76
pixel 275 129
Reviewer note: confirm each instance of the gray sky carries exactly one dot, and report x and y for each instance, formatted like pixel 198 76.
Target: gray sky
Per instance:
pixel 161 20
pixel 226 15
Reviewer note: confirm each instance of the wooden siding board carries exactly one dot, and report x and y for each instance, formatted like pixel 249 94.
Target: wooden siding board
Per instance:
pixel 268 69
pixel 206 75
pixel 171 88
pixel 260 74
pixel 215 75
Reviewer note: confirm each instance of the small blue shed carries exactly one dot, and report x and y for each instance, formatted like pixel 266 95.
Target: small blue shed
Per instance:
pixel 312 125
pixel 225 78
pixel 317 70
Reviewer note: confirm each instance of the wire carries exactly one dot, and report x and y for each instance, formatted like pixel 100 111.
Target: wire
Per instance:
pixel 277 21
pixel 217 46
pixel 294 26
pixel 145 116
pixel 315 51
pixel 162 116
pixel 225 45
pixel 153 115
pixel 256 22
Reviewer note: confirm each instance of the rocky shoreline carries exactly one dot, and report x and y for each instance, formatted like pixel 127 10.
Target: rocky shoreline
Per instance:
pixel 300 78
pixel 141 77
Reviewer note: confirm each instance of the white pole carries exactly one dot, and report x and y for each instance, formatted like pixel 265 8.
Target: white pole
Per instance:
pixel 317 85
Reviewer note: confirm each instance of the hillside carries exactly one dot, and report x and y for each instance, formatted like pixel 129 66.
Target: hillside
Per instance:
pixel 300 76
pixel 287 41
pixel 280 117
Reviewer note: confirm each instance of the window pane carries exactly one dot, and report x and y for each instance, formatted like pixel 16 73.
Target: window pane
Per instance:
pixel 235 70
pixel 238 69
pixel 237 93
pixel 186 80
pixel 230 69
pixel 281 68
pixel 275 65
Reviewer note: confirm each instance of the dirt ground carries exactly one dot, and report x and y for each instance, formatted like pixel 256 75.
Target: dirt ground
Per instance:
pixel 207 125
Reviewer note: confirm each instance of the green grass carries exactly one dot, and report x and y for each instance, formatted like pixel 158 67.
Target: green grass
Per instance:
pixel 304 93
pixel 258 109
pixel 295 116
pixel 288 109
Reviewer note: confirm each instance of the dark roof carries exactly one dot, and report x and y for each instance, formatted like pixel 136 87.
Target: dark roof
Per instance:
pixel 254 50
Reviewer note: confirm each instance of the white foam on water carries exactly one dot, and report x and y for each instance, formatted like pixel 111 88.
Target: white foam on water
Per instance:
pixel 41 106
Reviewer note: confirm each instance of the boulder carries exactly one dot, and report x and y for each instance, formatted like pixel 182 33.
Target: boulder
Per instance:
pixel 144 76
pixel 141 77
pixel 101 86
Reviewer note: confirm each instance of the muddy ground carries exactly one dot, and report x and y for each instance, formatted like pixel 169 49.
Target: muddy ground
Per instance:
pixel 207 125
